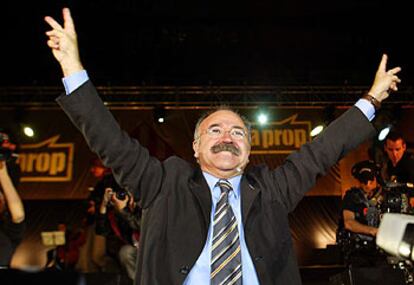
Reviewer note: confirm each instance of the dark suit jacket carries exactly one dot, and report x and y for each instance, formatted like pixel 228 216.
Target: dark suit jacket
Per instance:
pixel 176 200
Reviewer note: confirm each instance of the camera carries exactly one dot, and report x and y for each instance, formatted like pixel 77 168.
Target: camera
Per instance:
pixel 121 194
pixel 396 197
pixel 109 182
pixel 6 147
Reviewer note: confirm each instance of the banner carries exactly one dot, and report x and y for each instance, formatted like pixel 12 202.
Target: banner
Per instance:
pixel 280 137
pixel 56 162
pixel 46 161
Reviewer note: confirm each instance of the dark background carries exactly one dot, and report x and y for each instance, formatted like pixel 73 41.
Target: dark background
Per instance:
pixel 200 42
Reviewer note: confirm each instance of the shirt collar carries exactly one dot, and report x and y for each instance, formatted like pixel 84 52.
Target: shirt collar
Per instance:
pixel 234 181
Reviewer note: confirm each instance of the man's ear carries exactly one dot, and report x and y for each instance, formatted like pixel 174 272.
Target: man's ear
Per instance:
pixel 196 145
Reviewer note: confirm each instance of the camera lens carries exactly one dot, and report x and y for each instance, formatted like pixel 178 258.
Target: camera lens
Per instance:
pixel 121 195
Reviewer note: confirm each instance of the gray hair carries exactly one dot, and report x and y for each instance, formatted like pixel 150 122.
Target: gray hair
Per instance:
pixel 246 122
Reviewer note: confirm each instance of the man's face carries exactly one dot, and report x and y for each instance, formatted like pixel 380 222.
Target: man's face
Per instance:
pixel 395 150
pixel 219 148
pixel 370 186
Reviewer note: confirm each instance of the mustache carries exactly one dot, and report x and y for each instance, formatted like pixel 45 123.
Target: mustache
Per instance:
pixel 225 147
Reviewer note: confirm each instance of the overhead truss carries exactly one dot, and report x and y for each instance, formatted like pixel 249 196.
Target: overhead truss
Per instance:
pixel 187 96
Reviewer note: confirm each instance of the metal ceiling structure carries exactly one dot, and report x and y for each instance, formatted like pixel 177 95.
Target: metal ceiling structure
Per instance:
pixel 190 53
pixel 190 96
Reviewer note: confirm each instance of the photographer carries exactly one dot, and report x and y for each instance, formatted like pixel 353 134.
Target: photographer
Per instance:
pixel 118 220
pixel 12 213
pixel 360 216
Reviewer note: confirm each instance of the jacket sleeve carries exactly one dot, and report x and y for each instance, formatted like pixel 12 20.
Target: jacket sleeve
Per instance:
pixel 131 218
pixel 301 169
pixel 102 227
pixel 134 169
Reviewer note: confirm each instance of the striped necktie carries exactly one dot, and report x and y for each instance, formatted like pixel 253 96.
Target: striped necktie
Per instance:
pixel 225 255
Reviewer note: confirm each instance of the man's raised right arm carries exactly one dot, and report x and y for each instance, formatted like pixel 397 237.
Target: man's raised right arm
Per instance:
pixel 63 42
pixel 131 163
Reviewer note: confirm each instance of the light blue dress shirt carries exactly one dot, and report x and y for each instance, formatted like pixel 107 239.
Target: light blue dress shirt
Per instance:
pixel 200 273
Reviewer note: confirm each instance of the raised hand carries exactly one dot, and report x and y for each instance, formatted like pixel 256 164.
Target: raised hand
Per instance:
pixel 64 43
pixel 385 80
pixel 119 204
pixel 107 197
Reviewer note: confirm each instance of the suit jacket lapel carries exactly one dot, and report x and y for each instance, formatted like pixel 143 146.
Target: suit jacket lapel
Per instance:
pixel 248 194
pixel 198 185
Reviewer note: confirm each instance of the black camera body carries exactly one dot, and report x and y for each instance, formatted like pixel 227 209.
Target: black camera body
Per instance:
pixel 121 194
pixel 396 198
pixel 109 182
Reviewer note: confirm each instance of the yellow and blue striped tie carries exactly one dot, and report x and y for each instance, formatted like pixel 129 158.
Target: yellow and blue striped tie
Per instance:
pixel 225 256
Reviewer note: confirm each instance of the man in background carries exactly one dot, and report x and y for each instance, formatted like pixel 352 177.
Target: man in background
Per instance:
pixel 118 220
pixel 360 216
pixel 400 165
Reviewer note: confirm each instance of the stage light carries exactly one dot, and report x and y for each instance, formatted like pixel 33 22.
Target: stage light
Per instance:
pixel 328 115
pixel 386 119
pixel 263 115
pixel 262 119
pixel 159 115
pixel 28 131
pixel 384 133
pixel 317 130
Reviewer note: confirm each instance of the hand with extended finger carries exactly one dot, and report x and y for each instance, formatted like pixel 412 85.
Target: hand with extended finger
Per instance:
pixel 64 44
pixel 385 81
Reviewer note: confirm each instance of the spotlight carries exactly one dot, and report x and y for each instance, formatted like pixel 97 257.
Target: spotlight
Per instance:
pixel 262 119
pixel 159 115
pixel 384 133
pixel 386 119
pixel 28 131
pixel 328 115
pixel 317 130
pixel 263 115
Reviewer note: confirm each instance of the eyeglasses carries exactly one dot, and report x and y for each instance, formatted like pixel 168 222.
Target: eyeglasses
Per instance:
pixel 217 132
